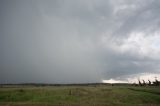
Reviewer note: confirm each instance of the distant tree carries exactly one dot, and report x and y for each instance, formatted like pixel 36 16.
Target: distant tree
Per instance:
pixel 156 82
pixel 140 84
pixel 149 83
pixel 144 83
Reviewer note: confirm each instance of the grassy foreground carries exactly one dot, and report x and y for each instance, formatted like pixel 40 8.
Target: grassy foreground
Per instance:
pixel 80 96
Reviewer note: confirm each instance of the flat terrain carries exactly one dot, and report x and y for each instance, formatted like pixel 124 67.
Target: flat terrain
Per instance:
pixel 100 95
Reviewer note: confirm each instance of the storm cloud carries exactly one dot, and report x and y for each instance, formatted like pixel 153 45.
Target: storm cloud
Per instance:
pixel 78 41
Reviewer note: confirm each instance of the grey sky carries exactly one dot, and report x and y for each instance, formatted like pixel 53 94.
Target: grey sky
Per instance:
pixel 78 41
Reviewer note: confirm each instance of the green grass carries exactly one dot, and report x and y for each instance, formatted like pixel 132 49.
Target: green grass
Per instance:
pixel 80 96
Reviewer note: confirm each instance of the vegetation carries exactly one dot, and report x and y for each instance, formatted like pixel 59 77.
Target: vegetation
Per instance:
pixel 154 83
pixel 100 95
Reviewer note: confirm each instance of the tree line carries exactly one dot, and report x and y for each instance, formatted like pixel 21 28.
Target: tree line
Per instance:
pixel 148 83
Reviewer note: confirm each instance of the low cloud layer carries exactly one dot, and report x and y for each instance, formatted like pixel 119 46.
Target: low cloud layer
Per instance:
pixel 78 41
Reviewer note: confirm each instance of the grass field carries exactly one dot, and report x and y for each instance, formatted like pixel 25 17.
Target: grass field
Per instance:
pixel 79 96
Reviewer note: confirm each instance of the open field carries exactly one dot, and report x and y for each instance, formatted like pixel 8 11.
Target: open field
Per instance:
pixel 100 95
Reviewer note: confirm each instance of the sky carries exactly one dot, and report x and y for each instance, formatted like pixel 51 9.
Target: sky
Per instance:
pixel 79 41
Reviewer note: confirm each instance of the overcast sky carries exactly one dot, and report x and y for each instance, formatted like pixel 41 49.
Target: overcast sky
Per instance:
pixel 78 41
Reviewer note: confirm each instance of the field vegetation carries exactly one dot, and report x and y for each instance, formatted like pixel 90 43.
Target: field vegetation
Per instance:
pixel 100 95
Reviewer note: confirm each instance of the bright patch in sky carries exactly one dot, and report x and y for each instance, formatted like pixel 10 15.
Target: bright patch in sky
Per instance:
pixel 113 81
pixel 135 78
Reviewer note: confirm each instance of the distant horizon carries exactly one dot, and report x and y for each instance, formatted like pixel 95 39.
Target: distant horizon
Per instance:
pixel 32 83
pixel 110 81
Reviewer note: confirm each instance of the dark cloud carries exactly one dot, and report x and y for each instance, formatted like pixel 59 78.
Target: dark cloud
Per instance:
pixel 143 16
pixel 78 41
